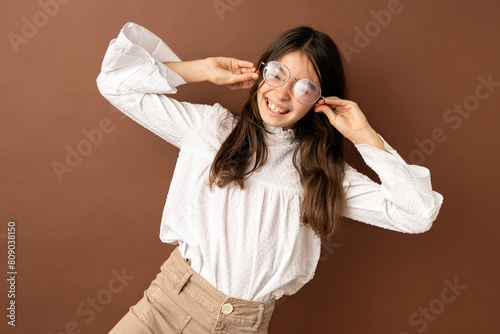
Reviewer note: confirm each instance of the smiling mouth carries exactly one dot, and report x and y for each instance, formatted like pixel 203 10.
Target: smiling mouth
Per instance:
pixel 275 108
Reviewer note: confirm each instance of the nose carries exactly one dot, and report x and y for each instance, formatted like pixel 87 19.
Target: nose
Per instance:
pixel 283 92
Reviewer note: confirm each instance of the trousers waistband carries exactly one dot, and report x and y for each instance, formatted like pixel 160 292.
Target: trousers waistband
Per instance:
pixel 236 310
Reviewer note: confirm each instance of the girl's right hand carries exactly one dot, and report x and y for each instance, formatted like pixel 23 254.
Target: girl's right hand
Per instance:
pixel 231 72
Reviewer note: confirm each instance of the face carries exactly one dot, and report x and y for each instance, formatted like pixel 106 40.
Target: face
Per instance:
pixel 277 106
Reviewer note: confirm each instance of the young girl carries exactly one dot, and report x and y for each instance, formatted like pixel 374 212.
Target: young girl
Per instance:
pixel 253 193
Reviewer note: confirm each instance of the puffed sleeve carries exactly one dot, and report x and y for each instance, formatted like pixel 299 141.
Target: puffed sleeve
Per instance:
pixel 403 202
pixel 134 78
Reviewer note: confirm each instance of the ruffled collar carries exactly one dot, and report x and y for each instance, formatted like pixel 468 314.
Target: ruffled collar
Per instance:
pixel 278 135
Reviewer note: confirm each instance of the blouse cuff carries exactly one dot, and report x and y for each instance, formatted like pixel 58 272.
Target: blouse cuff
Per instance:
pixel 140 50
pixel 407 186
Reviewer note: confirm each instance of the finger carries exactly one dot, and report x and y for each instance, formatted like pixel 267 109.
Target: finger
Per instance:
pixel 323 103
pixel 330 114
pixel 320 102
pixel 245 64
pixel 248 70
pixel 325 109
pixel 333 100
pixel 240 78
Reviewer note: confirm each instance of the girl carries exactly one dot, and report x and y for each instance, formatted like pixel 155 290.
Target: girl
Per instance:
pixel 253 193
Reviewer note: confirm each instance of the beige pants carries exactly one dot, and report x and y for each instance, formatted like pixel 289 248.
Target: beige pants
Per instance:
pixel 180 300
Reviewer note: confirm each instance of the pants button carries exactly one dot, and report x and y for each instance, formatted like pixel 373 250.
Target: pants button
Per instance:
pixel 188 261
pixel 227 308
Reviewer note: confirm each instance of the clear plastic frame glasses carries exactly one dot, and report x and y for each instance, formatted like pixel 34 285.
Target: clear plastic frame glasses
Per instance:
pixel 277 74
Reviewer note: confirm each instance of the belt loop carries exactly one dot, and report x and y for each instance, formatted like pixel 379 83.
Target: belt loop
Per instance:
pixel 181 282
pixel 259 318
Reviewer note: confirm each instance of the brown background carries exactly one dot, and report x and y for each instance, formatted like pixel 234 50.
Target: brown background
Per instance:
pixel 104 215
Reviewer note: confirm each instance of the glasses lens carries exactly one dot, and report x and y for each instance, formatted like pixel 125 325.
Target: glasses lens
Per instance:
pixel 275 74
pixel 306 91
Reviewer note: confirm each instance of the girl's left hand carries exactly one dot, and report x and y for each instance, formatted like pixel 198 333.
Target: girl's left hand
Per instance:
pixel 346 117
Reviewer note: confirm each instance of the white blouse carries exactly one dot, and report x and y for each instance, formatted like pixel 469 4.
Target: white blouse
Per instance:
pixel 248 243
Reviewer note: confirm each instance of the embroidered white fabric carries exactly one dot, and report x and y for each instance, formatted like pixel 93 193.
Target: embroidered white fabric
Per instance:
pixel 249 243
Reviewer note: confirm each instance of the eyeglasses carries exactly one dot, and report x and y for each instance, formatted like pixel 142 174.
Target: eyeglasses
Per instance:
pixel 277 74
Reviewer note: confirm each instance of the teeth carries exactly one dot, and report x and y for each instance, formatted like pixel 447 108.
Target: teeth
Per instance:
pixel 276 109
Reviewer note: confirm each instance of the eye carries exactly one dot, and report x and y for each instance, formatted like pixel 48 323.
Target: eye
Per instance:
pixel 304 87
pixel 274 73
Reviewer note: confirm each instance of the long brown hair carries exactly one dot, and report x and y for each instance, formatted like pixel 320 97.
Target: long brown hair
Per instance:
pixel 319 154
